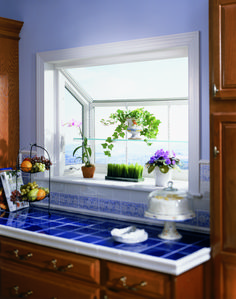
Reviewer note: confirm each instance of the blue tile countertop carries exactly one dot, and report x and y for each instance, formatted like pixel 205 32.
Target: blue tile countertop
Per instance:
pixel 90 235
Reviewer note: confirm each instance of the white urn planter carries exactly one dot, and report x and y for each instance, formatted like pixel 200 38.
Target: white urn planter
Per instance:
pixel 162 179
pixel 133 129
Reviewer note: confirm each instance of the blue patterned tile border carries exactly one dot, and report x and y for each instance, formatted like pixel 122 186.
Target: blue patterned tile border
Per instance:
pixel 132 209
pixel 117 207
pixel 88 203
pixel 205 172
pixel 109 206
pixel 203 218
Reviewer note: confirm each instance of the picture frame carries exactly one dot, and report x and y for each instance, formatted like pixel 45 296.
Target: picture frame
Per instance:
pixel 12 180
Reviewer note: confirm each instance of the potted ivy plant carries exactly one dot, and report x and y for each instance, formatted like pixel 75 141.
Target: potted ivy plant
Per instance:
pixel 88 168
pixel 144 122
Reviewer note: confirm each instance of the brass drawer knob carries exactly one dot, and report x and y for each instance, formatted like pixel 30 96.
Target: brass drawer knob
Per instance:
pixel 123 280
pixel 22 295
pixel 22 257
pixel 133 287
pixel 61 268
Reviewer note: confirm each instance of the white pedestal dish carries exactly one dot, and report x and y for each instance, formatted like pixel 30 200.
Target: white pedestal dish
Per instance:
pixel 169 205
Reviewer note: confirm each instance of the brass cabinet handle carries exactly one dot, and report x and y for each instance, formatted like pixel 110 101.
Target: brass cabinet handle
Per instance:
pixel 133 287
pixel 22 257
pixel 215 151
pixel 215 90
pixel 61 268
pixel 141 284
pixel 22 295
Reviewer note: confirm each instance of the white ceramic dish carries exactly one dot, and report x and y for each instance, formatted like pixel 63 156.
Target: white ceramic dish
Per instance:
pixel 129 235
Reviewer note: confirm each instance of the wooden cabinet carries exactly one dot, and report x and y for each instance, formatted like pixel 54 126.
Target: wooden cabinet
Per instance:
pixel 122 281
pixel 35 271
pixel 223 204
pixel 223 48
pixel 9 91
pixel 223 146
pixel 25 282
pixel 51 260
pixel 131 281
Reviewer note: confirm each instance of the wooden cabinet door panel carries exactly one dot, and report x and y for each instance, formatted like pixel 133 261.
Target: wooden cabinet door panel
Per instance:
pixel 223 47
pixel 223 204
pixel 16 282
pixel 224 286
pixel 9 91
pixel 136 281
pixel 224 177
pixel 229 274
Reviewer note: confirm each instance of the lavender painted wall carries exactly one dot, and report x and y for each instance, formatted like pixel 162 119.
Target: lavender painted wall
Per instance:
pixel 59 24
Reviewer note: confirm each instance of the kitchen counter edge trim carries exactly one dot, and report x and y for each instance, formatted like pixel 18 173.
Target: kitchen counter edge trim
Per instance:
pixel 121 256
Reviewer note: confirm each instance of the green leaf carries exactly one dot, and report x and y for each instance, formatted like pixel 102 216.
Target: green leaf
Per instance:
pixel 151 168
pixel 107 153
pixel 109 139
pixel 89 151
pixel 75 150
pixel 164 169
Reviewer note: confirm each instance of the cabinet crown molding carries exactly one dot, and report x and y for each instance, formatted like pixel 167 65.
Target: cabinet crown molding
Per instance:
pixel 10 28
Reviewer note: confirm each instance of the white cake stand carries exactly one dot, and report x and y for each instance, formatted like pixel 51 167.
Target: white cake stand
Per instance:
pixel 169 231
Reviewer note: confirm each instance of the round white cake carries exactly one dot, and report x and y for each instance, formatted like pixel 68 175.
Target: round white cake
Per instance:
pixel 171 205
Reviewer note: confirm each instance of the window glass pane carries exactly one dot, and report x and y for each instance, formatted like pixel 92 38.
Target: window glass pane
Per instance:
pixel 178 132
pixel 71 109
pixel 173 135
pixel 102 132
pixel 165 78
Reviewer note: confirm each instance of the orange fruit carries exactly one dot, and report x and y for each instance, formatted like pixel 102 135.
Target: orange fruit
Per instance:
pixel 26 166
pixel 41 194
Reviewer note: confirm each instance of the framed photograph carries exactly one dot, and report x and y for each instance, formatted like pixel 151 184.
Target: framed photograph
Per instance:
pixel 12 180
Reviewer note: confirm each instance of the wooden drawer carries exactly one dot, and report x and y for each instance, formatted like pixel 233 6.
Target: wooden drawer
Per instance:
pixel 139 282
pixel 29 282
pixel 49 259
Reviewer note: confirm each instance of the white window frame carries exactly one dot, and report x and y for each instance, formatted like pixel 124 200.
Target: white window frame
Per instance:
pixel 49 63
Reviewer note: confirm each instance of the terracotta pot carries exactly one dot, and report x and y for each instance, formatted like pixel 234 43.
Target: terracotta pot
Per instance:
pixel 88 171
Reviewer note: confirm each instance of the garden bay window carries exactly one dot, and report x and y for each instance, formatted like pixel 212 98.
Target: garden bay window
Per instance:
pixel 89 83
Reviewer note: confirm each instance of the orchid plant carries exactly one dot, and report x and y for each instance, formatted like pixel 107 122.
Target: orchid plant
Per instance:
pixel 164 160
pixel 86 149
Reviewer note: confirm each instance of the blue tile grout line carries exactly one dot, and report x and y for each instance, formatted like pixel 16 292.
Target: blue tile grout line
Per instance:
pixel 96 230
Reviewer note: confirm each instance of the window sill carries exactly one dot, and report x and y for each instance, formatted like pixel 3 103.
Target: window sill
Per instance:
pixel 99 180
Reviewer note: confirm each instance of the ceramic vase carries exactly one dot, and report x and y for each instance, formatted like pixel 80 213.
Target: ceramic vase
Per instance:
pixel 133 129
pixel 162 179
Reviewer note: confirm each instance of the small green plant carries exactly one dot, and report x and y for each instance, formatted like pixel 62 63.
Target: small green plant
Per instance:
pixel 148 123
pixel 86 149
pixel 125 171
pixel 86 152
